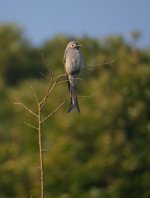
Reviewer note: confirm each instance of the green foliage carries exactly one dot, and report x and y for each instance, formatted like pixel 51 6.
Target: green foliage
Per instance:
pixel 18 60
pixel 103 151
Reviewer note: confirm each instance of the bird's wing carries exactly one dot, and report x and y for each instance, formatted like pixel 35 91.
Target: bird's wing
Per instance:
pixel 68 81
pixel 64 61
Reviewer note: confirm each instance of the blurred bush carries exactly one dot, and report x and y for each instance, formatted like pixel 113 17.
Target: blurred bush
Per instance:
pixel 18 59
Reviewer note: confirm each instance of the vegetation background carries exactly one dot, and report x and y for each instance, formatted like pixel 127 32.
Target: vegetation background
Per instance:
pixel 102 152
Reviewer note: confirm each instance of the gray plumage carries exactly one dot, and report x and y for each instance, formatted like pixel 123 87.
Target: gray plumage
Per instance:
pixel 73 65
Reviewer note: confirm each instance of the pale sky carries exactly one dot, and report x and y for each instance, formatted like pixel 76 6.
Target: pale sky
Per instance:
pixel 43 19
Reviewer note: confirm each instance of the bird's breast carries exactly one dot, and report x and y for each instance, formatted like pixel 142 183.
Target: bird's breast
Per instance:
pixel 73 62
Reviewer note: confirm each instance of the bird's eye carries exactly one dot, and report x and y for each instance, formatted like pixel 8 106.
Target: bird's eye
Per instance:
pixel 73 45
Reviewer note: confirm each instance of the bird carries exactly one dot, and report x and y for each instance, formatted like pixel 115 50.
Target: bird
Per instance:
pixel 73 62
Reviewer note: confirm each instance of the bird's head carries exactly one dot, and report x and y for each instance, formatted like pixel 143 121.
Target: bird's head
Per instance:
pixel 73 45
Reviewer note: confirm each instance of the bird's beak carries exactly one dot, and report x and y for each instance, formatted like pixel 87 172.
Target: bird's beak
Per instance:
pixel 79 45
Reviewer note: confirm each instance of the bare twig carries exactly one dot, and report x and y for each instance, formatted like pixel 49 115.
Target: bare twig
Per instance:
pixel 53 112
pixel 26 108
pixel 46 63
pixel 59 77
pixel 86 96
pixel 43 75
pixel 35 95
pixel 102 64
pixel 30 125
pixel 63 81
pixel 50 89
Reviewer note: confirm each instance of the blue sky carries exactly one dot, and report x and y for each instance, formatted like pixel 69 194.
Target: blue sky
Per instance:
pixel 43 19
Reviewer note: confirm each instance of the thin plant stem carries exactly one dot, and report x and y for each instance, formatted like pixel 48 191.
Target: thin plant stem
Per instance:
pixel 41 152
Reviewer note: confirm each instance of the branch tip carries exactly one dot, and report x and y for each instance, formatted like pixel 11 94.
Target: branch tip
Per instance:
pixel 55 110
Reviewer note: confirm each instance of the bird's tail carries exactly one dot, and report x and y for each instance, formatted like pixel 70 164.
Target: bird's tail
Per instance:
pixel 73 100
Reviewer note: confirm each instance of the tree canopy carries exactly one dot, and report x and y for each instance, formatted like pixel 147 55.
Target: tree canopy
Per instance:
pixel 102 152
